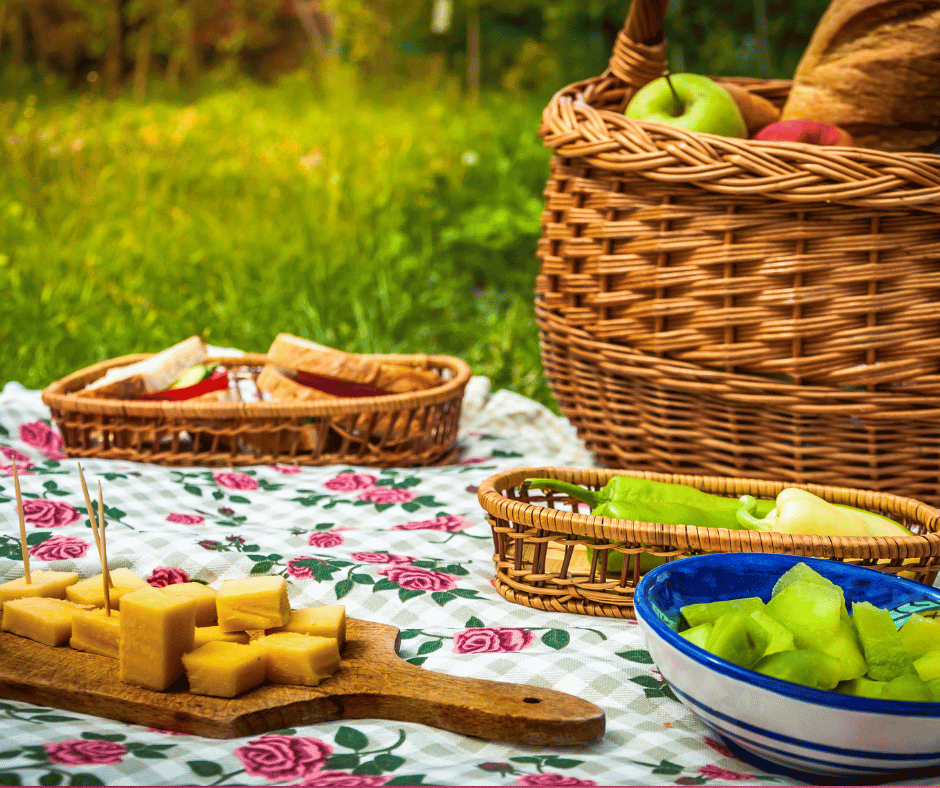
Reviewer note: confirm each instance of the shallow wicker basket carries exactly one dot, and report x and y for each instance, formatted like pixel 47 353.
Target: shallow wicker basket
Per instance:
pixel 413 429
pixel 722 306
pixel 540 538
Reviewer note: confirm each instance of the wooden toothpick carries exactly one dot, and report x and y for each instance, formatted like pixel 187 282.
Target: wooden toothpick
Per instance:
pixel 94 527
pixel 105 573
pixel 19 511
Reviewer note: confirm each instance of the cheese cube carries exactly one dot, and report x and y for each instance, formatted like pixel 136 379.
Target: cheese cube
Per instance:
pixel 224 670
pixel 44 583
pixel 90 591
pixel 210 634
pixel 97 633
pixel 328 621
pixel 157 628
pixel 205 600
pixel 252 603
pixel 293 658
pixel 42 619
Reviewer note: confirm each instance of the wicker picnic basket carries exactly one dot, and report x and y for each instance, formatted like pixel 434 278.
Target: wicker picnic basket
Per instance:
pixel 405 430
pixel 541 538
pixel 710 305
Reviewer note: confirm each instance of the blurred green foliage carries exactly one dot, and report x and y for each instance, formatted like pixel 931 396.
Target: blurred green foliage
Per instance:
pixel 526 45
pixel 368 221
pixel 301 166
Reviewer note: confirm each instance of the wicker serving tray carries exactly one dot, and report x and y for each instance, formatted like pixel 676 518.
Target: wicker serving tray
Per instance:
pixel 412 429
pixel 540 538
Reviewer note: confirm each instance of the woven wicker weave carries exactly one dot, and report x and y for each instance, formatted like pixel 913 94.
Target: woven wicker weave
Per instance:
pixel 799 279
pixel 413 429
pixel 540 538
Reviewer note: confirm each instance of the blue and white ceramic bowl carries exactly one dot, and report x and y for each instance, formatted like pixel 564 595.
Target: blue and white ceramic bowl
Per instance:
pixel 778 725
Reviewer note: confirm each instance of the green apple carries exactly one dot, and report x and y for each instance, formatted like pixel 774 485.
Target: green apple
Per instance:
pixel 689 101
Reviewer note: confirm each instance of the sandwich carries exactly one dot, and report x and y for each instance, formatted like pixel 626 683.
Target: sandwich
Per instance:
pixel 301 369
pixel 177 373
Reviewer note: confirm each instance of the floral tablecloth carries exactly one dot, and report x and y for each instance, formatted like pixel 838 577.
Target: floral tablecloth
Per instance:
pixel 406 547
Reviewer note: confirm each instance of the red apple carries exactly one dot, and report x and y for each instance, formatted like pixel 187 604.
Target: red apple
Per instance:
pixel 810 131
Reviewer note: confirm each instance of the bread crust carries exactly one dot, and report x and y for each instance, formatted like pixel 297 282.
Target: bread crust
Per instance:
pixel 297 353
pixel 872 67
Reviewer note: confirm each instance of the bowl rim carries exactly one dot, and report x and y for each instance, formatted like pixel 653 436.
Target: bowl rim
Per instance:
pixel 647 617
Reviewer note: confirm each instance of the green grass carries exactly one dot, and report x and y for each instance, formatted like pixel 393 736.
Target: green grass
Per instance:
pixel 372 222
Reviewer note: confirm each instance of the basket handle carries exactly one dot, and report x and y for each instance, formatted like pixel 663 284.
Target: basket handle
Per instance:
pixel 639 53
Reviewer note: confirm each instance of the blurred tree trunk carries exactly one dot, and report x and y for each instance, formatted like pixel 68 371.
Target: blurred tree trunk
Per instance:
pixel 17 38
pixel 113 56
pixel 762 32
pixel 142 61
pixel 306 15
pixel 473 51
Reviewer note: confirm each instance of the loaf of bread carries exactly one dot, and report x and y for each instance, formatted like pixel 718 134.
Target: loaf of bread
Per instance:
pixel 872 67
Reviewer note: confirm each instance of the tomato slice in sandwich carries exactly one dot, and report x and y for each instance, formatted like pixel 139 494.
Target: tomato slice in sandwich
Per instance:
pixel 337 387
pixel 216 381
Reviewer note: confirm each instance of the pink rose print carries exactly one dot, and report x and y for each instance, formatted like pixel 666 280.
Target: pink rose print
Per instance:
pixel 280 758
pixel 21 470
pixel 550 778
pixel 717 773
pixel 41 436
pixel 386 495
pixel 325 539
pixel 49 514
pixel 333 779
pixel 491 639
pixel 185 519
pixel 286 469
pixel 417 579
pixel 78 752
pixel 235 480
pixel 58 548
pixel 295 569
pixel 15 456
pixel 717 746
pixel 23 463
pixel 445 522
pixel 472 460
pixel 167 576
pixel 350 482
pixel 381 558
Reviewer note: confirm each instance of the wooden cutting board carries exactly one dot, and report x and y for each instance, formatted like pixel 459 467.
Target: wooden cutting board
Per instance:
pixel 372 683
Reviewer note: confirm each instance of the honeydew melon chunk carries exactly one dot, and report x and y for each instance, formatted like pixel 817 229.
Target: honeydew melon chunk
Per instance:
pixel 709 612
pixel 737 638
pixel 698 635
pixel 928 666
pixel 862 687
pixel 810 610
pixel 881 642
pixel 844 645
pixel 780 638
pixel 808 667
pixel 801 572
pixel 919 635
pixel 934 686
pixel 907 687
